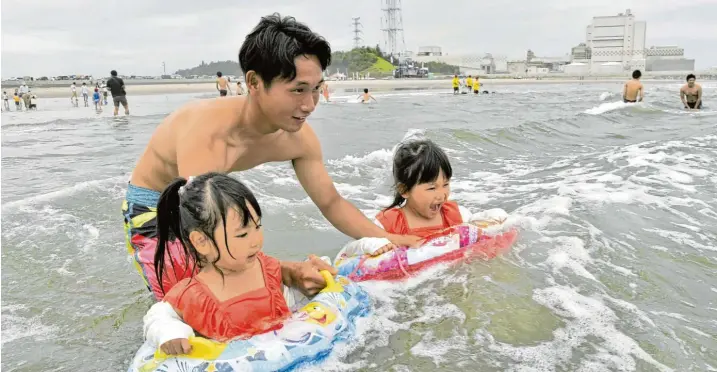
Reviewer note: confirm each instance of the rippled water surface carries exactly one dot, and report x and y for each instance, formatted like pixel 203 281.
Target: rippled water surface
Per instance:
pixel 615 268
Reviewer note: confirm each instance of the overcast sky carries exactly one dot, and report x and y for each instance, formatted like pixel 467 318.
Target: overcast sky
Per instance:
pixel 63 37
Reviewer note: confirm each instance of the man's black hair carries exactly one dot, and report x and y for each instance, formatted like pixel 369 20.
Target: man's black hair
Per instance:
pixel 272 46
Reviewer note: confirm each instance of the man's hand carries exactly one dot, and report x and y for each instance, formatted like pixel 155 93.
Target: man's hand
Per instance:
pixel 176 347
pixel 305 276
pixel 405 240
pixel 384 249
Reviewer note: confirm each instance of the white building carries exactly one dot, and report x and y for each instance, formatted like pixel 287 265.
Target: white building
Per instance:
pixel 618 39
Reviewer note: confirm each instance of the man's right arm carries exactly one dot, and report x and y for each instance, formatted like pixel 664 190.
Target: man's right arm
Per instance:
pixel 682 97
pixel 624 91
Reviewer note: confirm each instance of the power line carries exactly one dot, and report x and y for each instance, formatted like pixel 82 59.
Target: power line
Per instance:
pixel 357 31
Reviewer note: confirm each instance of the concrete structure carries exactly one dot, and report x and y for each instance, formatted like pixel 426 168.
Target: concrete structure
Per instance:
pixel 469 64
pixel 619 39
pixel 581 52
pixel 577 69
pixel 429 51
pixel 517 67
pixel 609 68
pixel 667 58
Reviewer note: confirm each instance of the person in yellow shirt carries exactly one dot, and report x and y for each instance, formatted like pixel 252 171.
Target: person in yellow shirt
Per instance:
pixel 456 84
pixel 476 85
pixel 16 98
pixel 469 83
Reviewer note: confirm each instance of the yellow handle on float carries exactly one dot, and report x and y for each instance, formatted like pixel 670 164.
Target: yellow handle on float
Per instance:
pixel 331 284
pixel 202 348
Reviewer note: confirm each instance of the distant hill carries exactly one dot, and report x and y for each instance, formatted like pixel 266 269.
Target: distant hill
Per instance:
pixel 211 68
pixel 362 60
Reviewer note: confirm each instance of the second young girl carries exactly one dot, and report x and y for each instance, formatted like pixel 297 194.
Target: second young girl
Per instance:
pixel 422 173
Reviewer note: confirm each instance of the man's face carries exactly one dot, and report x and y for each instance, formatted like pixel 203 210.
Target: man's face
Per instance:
pixel 287 104
pixel 691 82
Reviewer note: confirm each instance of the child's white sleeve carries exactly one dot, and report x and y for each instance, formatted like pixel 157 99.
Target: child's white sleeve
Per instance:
pixel 162 324
pixel 465 213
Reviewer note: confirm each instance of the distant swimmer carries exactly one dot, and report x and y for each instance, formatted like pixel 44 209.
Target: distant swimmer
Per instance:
pixel 691 93
pixel 476 85
pixel 222 85
pixel 456 84
pixel 633 88
pixel 366 96
pixel 325 91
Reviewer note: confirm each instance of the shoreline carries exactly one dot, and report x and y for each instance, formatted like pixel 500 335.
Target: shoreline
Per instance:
pixel 149 87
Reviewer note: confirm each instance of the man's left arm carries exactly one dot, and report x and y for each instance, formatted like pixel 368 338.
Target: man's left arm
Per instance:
pixel 699 97
pixel 312 175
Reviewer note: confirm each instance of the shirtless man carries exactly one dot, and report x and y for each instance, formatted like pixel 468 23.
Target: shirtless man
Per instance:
pixel 222 85
pixel 691 94
pixel 632 88
pixel 283 62
pixel 366 96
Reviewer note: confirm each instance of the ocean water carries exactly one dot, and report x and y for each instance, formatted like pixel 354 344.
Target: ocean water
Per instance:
pixel 615 268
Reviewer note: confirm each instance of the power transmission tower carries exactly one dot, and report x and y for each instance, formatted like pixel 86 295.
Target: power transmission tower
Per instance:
pixel 392 26
pixel 357 31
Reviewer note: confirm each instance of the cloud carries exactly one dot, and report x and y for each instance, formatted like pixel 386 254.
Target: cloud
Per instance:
pixel 42 37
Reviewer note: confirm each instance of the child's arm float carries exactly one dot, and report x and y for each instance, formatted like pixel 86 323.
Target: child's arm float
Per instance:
pixel 164 328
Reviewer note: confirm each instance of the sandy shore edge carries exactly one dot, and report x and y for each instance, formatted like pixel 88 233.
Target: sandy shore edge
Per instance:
pixel 336 87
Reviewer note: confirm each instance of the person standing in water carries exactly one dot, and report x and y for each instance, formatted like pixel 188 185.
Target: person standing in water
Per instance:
pixel 325 91
pixel 240 90
pixel 73 94
pixel 366 96
pixel 476 85
pixel 283 63
pixel 5 101
pixel 222 85
pixel 632 88
pixel 456 84
pixel 85 94
pixel 119 95
pixel 691 94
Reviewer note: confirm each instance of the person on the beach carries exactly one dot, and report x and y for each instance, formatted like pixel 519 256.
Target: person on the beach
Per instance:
pixel 96 99
pixel 366 96
pixel 469 83
pixel 73 94
pixel 691 94
pixel 283 62
pixel 85 94
pixel 220 226
pixel 422 173
pixel 325 91
pixel 104 93
pixel 5 101
pixel 119 95
pixel 633 88
pixel 222 85
pixel 456 84
pixel 240 90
